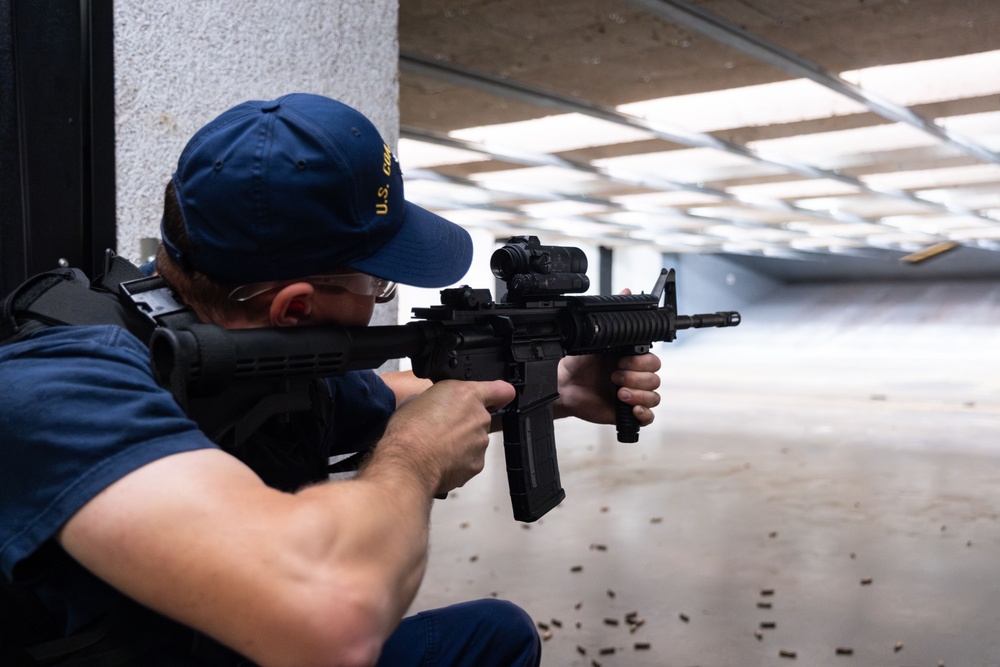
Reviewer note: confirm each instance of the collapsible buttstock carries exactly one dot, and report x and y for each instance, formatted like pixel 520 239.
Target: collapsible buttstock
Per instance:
pixel 532 468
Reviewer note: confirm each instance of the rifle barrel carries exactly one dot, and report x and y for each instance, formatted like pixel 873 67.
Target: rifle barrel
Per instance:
pixel 704 320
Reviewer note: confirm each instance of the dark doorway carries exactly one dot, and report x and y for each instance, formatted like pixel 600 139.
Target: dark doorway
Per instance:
pixel 57 160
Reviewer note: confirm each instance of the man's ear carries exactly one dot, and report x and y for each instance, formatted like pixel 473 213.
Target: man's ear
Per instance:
pixel 292 305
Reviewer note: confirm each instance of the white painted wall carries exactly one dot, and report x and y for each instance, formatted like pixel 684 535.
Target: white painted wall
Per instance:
pixel 635 267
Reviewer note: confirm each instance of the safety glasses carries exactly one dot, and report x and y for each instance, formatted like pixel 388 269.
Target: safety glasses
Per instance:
pixel 357 283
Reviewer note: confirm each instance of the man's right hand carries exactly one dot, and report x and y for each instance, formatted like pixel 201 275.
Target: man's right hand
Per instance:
pixel 444 431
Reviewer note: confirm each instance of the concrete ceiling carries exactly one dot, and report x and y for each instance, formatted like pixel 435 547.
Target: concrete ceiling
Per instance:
pixel 468 64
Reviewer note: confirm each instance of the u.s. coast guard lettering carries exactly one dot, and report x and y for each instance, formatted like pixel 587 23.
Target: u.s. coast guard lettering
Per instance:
pixel 382 206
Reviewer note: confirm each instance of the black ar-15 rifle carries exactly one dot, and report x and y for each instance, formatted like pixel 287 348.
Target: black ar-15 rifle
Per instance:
pixel 262 372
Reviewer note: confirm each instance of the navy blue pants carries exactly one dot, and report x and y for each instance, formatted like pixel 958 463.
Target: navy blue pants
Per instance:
pixel 481 633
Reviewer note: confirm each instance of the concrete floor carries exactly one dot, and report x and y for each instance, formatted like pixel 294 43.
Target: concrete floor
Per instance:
pixel 849 465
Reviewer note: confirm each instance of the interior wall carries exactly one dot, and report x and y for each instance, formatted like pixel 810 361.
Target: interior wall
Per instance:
pixel 960 263
pixel 710 283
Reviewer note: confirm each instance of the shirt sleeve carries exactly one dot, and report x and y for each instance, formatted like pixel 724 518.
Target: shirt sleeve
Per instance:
pixel 79 409
pixel 362 405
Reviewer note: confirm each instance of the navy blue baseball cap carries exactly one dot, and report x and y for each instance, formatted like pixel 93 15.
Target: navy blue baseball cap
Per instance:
pixel 302 185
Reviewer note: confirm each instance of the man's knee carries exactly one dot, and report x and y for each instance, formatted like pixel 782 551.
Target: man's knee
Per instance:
pixel 509 614
pixel 512 628
pixel 479 633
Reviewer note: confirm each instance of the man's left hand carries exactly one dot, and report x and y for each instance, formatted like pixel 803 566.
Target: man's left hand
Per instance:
pixel 589 384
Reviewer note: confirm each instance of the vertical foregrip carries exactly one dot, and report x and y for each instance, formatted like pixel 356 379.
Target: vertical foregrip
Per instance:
pixel 532 468
pixel 625 422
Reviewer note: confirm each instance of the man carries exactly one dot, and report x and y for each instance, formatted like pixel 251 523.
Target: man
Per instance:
pixel 113 505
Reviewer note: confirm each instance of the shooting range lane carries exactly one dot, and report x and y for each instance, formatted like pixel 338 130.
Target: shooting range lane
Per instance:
pixel 833 471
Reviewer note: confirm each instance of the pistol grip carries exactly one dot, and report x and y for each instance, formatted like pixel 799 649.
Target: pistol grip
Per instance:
pixel 532 468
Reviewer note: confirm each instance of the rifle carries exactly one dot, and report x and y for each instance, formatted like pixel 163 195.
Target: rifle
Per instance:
pixel 262 372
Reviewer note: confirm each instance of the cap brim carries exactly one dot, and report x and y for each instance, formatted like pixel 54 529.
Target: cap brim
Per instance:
pixel 427 251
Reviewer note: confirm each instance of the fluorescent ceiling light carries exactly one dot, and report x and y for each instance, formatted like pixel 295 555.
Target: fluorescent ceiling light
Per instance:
pixel 830 243
pixel 421 190
pixel 929 178
pixel 691 158
pixel 654 200
pixel 680 240
pixel 801 99
pixel 868 206
pixel 576 226
pixel 746 213
pixel 696 165
pixel 763 234
pixel 984 126
pixel 555 178
pixel 418 154
pixel 980 199
pixel 748 106
pixel 934 224
pixel 757 248
pixel 984 233
pixel 940 80
pixel 831 230
pixel 553 134
pixel 816 148
pixel 657 222
pixel 813 187
pixel 566 207
pixel 473 217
